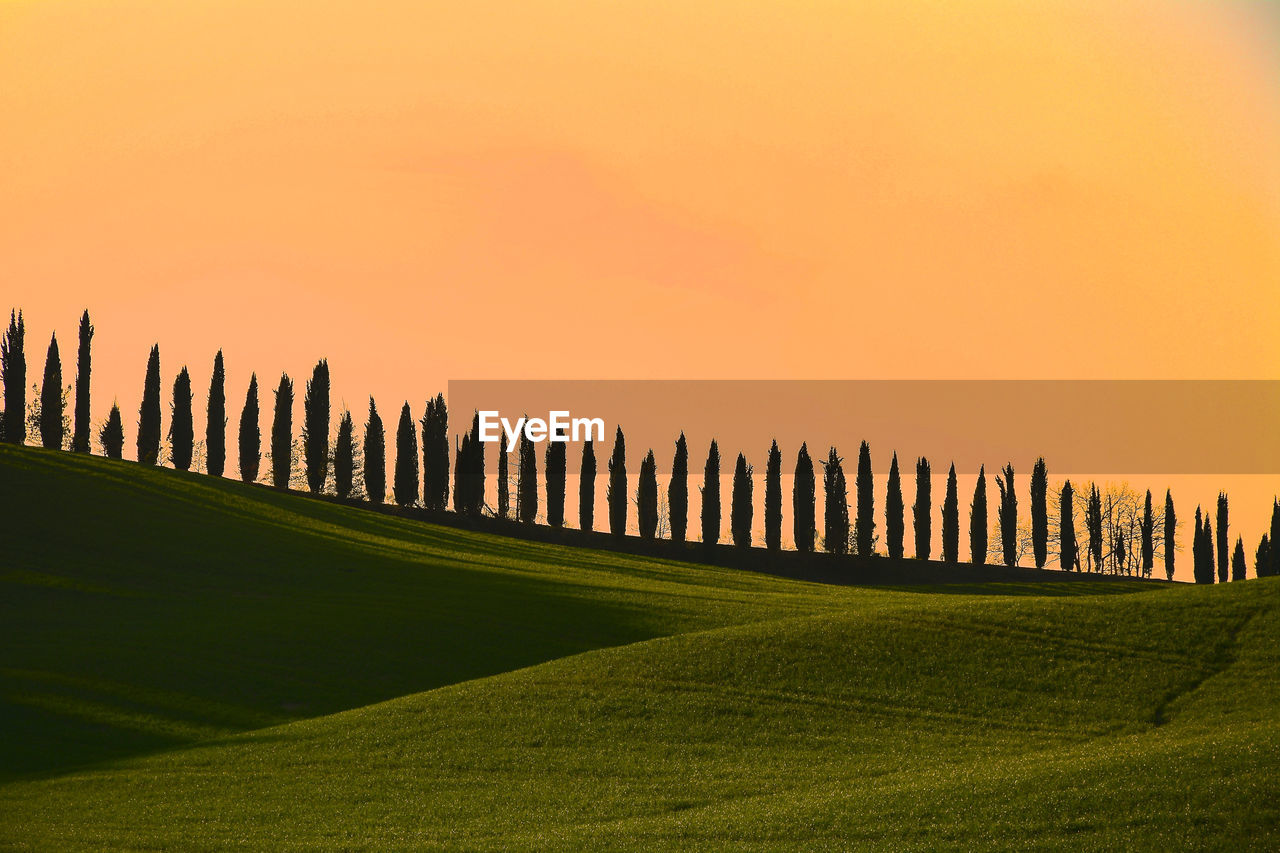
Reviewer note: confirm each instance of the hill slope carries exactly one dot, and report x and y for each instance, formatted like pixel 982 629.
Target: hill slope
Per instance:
pixel 742 711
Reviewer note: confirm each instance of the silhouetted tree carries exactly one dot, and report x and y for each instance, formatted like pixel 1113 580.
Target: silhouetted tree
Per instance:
pixel 711 496
pixel 51 399
pixel 1170 529
pixel 282 434
pixel 112 435
pixel 1238 568
pixel 1223 556
pixel 1040 513
pixel 587 487
pixel 741 511
pixel 1148 537
pixel 504 487
pixel 1274 550
pixel 647 497
pixel 894 512
pixel 616 492
pixel 468 491
pixel 1008 515
pixel 1093 524
pixel 527 497
pixel 315 427
pixel 773 499
pixel 435 457
pixel 678 491
pixel 13 369
pixel 461 503
pixel 215 428
pixel 404 486
pixel 1262 558
pixel 1068 551
pixel 149 412
pixel 557 463
pixel 922 509
pixel 836 505
pixel 865 529
pixel 978 520
pixel 803 498
pixel 344 453
pixel 250 434
pixel 951 520
pixel 182 431
pixel 375 457
pixel 1202 550
pixel 80 436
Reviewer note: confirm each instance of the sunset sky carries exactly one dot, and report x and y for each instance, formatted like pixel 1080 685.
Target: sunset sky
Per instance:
pixel 426 191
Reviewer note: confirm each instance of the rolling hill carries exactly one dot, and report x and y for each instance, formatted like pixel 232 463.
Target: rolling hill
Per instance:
pixel 190 662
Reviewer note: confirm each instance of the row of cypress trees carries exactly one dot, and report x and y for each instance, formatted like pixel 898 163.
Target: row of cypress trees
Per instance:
pixel 1210 549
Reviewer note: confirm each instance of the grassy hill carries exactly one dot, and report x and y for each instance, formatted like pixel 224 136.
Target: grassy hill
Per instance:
pixel 192 662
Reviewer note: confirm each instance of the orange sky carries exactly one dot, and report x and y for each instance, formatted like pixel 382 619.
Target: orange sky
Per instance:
pixel 424 191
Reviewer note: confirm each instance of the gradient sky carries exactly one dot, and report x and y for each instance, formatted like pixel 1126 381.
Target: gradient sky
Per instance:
pixel 423 191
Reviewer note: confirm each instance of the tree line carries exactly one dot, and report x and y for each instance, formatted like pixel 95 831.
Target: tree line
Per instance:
pixel 1122 533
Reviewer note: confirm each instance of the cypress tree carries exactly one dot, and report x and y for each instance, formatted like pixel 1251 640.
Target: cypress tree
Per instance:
pixel 1200 572
pixel 1040 513
pixel 375 457
pixel 741 511
pixel 678 491
pixel 461 504
pixel 80 436
pixel 922 509
pixel 616 493
pixel 1067 548
pixel 51 399
pixel 435 454
pixel 315 427
pixel 1170 530
pixel 1093 523
pixel 557 463
pixel 894 512
pixel 344 451
pixel 1262 558
pixel 1208 547
pixel 835 494
pixel 951 520
pixel 182 432
pixel 978 520
pixel 587 487
pixel 504 487
pixel 527 498
pixel 1238 569
pixel 647 497
pixel 711 496
pixel 215 430
pixel 405 483
pixel 1274 549
pixel 773 499
pixel 1223 555
pixel 250 434
pixel 864 531
pixel 149 412
pixel 473 462
pixel 13 369
pixel 1008 515
pixel 803 498
pixel 112 435
pixel 1148 537
pixel 282 434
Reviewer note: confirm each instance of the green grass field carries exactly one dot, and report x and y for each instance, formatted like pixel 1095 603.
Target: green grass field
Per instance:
pixel 192 663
